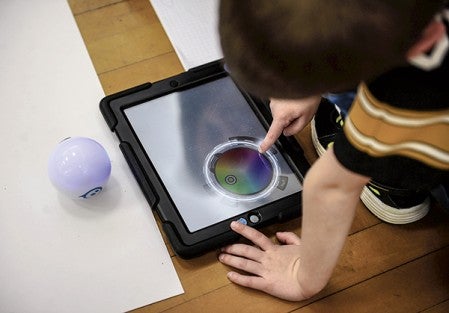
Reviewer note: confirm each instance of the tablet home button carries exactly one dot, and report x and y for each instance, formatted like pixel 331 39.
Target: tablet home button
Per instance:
pixel 254 218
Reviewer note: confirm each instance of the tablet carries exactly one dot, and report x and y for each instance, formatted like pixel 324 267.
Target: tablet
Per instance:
pixel 191 142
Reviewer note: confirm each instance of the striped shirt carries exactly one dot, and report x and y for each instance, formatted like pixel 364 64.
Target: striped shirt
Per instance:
pixel 380 129
pixel 397 131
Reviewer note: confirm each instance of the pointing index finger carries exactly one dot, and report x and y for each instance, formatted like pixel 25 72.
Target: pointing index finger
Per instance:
pixel 272 135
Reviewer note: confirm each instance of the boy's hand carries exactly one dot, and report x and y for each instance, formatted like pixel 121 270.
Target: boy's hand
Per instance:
pixel 289 117
pixel 271 268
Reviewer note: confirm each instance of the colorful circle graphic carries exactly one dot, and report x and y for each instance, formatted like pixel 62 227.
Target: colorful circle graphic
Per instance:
pixel 237 170
pixel 243 171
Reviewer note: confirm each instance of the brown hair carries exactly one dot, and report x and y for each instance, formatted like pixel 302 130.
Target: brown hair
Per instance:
pixel 297 48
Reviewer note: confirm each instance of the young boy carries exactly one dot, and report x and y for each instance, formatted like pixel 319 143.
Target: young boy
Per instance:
pixel 395 133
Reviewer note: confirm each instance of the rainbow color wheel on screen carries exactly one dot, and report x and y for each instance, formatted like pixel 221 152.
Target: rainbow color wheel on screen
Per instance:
pixel 236 170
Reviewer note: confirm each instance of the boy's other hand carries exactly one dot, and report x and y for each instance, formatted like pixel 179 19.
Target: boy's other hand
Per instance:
pixel 269 267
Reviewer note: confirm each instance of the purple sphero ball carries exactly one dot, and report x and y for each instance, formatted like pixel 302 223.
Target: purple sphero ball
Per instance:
pixel 79 167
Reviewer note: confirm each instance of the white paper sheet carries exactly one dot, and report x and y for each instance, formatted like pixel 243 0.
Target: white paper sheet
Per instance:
pixel 191 26
pixel 104 254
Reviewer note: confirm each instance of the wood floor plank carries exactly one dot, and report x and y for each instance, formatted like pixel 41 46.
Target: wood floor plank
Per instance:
pixel 121 34
pixel 442 307
pixel 386 246
pixel 81 6
pixel 148 70
pixel 409 288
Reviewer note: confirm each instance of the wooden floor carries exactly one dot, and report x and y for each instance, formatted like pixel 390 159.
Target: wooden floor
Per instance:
pixel 383 268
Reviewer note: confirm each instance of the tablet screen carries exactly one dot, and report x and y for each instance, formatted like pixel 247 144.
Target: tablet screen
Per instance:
pixel 203 143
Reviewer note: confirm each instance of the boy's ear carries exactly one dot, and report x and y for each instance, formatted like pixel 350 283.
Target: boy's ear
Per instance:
pixel 429 37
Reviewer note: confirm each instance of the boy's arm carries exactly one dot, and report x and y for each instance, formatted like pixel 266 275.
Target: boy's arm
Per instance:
pixel 330 196
pixel 301 268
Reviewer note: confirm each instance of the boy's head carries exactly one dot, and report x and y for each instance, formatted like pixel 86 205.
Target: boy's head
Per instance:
pixel 298 48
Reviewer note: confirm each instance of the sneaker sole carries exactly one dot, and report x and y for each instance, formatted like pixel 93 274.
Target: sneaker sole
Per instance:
pixel 393 215
pixel 316 143
pixel 373 204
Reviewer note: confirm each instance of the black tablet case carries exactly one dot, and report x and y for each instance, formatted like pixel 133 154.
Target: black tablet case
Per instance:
pixel 190 244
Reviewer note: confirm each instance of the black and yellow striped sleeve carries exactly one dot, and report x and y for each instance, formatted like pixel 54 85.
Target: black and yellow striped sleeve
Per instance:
pixel 379 130
pixel 397 146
